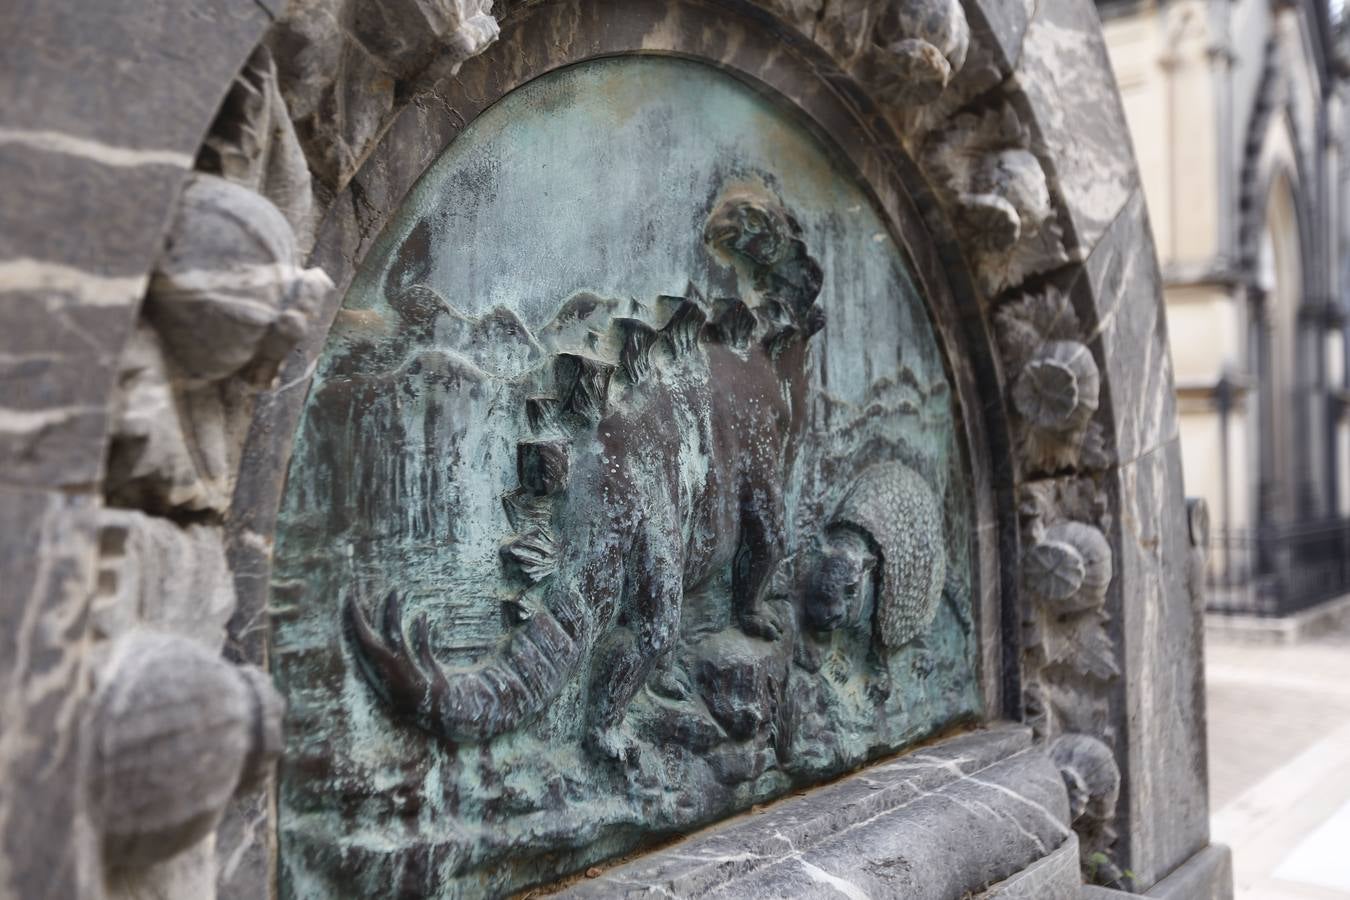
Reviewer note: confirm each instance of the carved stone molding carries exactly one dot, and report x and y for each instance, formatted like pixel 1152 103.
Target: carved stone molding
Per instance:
pixel 178 731
pixel 1066 570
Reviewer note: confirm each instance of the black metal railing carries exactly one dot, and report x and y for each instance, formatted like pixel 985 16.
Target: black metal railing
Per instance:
pixel 1276 570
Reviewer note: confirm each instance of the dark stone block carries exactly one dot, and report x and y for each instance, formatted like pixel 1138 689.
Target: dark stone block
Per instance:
pixel 47 842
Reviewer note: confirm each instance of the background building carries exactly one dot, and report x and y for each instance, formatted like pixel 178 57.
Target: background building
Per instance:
pixel 1237 113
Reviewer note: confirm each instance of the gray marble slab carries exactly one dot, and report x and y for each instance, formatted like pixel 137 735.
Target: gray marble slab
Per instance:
pixel 1056 877
pixel 1067 81
pixel 1165 798
pixel 989 799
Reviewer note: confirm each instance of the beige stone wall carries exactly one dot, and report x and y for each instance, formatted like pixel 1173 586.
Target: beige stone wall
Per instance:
pixel 1191 73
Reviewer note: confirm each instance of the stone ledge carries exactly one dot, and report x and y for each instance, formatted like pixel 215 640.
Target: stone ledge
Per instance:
pixel 1208 875
pixel 1278 629
pixel 989 798
pixel 1056 877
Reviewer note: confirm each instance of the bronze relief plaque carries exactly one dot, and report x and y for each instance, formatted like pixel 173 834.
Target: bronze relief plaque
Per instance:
pixel 629 493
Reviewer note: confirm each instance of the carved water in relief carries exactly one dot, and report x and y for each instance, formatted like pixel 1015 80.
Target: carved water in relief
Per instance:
pixel 628 494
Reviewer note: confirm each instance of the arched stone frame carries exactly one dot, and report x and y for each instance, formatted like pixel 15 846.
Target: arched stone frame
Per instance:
pixel 1048 75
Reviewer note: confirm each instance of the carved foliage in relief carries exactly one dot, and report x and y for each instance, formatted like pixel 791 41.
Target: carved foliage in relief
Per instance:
pixel 176 729
pixel 905 51
pixel 996 193
pixel 1071 663
pixel 1055 383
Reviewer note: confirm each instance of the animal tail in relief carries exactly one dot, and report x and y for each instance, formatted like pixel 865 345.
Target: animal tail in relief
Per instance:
pixel 478 703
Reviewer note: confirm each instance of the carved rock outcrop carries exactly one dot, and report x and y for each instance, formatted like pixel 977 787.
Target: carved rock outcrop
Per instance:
pixel 1056 385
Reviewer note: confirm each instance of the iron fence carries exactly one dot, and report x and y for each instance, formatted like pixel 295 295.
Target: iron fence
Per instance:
pixel 1276 570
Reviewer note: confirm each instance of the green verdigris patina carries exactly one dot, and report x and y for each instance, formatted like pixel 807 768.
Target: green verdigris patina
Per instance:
pixel 627 494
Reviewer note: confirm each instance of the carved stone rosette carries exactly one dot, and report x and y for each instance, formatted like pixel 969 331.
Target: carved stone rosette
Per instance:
pixel 1055 384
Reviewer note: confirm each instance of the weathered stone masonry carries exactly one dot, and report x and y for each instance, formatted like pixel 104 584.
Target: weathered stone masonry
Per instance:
pixel 153 374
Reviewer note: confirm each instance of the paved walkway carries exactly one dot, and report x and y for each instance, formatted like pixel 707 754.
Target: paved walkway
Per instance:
pixel 1279 750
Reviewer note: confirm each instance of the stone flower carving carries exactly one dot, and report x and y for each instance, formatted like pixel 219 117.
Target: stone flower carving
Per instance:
pixel 916 49
pixel 228 293
pixel 1092 778
pixel 226 303
pixel 997 194
pixel 1067 568
pixel 997 187
pixel 178 731
pixel 1056 385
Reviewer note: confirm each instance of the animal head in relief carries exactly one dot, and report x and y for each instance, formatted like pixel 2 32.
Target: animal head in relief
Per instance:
pixel 841 587
pixel 751 224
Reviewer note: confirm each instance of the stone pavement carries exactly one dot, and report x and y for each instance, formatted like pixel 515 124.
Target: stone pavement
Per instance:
pixel 1279 750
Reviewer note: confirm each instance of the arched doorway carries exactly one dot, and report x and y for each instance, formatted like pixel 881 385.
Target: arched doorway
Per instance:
pixel 1282 460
